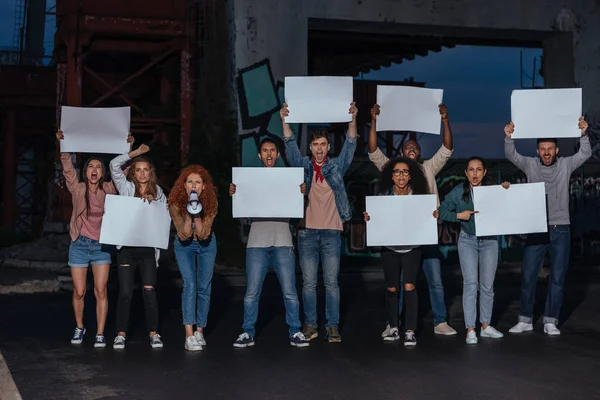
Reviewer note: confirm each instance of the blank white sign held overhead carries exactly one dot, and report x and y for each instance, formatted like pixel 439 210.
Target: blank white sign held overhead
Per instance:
pixel 546 113
pixel 408 108
pixel 130 221
pixel 318 99
pixel 518 210
pixel 268 192
pixel 95 130
pixel 401 220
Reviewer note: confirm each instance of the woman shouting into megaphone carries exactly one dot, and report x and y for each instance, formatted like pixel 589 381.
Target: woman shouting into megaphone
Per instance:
pixel 193 207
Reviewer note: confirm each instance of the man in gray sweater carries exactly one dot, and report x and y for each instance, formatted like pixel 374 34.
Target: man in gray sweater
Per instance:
pixel 555 172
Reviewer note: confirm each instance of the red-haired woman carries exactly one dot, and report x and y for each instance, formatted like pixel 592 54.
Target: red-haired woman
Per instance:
pixel 195 248
pixel 139 182
pixel 88 195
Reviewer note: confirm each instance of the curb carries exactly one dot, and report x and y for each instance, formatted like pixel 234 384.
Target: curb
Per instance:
pixel 8 388
pixel 30 287
pixel 43 265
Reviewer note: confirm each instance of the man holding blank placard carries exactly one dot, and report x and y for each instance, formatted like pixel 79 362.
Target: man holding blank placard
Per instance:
pixel 555 172
pixel 431 256
pixel 270 244
pixel 327 209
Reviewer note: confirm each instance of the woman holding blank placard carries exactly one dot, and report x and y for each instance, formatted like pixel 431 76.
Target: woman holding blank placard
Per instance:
pixel 401 177
pixel 478 255
pixel 140 182
pixel 88 195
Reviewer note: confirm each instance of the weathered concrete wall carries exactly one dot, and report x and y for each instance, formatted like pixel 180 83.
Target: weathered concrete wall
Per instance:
pixel 277 31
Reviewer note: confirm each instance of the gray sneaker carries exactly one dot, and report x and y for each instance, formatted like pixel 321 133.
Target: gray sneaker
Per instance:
pixel 333 335
pixel 310 332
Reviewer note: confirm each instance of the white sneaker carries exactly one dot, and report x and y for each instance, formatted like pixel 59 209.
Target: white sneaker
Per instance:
pixel 119 342
pixel 393 335
pixel 191 344
pixel 551 329
pixel 471 337
pixel 444 329
pixel 521 327
pixel 491 332
pixel 200 338
pixel 386 332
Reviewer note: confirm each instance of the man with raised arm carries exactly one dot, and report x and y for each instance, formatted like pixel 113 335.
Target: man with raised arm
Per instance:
pixel 555 172
pixel 326 211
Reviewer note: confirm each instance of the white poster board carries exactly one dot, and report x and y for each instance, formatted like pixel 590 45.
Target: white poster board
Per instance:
pixel 268 192
pixel 95 130
pixel 520 209
pixel 129 221
pixel 408 108
pixel 546 113
pixel 318 99
pixel 401 220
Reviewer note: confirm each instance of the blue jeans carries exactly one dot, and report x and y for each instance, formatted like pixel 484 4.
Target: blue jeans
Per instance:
pixel 478 263
pixel 558 241
pixel 283 261
pixel 85 251
pixel 432 267
pixel 196 261
pixel 326 244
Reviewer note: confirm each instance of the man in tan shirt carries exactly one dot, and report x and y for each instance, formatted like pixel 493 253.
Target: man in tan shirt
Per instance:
pixel 431 254
pixel 327 209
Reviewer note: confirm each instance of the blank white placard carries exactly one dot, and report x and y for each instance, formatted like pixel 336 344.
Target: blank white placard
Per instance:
pixel 520 209
pixel 546 113
pixel 95 130
pixel 401 220
pixel 408 108
pixel 268 192
pixel 129 221
pixel 318 99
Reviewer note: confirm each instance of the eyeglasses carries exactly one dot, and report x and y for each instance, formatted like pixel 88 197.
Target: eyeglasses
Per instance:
pixel 403 172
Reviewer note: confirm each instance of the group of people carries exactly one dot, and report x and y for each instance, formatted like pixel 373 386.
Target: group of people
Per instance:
pixel 195 244
pixel 319 238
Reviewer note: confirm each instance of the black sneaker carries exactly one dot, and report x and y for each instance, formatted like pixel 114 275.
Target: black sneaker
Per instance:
pixel 155 341
pixel 391 335
pixel 244 340
pixel 333 335
pixel 409 339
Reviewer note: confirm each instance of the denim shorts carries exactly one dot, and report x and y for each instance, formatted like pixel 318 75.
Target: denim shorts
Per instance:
pixel 85 251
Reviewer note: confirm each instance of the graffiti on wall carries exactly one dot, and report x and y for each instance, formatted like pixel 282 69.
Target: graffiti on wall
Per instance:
pixel 594 133
pixel 260 98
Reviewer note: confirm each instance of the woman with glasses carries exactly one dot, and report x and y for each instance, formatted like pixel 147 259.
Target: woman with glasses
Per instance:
pixel 401 177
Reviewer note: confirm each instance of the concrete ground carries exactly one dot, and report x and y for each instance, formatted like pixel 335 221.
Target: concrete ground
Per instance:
pixel 35 330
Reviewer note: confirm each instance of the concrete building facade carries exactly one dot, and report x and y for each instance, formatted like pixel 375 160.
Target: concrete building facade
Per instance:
pixel 272 39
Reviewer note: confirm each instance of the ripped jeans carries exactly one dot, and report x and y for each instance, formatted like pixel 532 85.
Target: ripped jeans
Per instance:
pixel 128 259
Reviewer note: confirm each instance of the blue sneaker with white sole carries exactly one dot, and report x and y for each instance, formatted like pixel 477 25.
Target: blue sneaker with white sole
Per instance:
pixel 298 340
pixel 78 336
pixel 100 341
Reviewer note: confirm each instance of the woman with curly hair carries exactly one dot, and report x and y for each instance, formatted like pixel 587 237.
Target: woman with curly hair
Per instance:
pixel 195 248
pixel 401 177
pixel 139 182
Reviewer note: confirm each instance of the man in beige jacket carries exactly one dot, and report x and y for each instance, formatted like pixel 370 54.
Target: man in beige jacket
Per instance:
pixel 431 254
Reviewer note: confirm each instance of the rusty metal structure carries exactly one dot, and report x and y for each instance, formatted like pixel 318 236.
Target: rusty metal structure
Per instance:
pixel 116 52
pixel 135 53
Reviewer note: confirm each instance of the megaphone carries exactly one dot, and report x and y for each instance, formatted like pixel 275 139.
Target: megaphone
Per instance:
pixel 194 206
